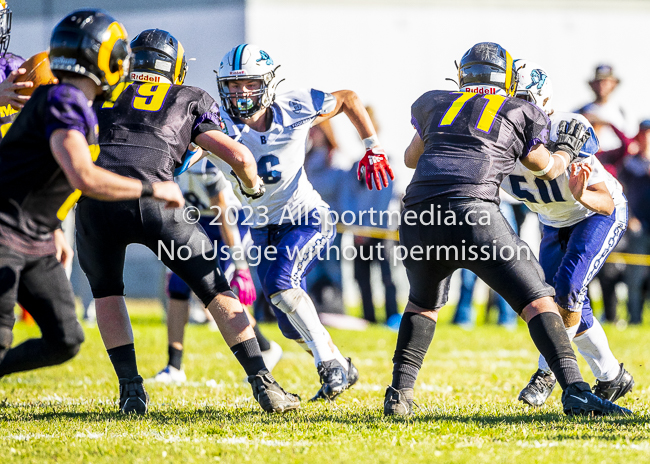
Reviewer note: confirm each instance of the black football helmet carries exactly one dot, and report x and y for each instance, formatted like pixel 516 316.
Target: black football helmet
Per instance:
pixel 488 64
pixel 5 27
pixel 157 54
pixel 91 43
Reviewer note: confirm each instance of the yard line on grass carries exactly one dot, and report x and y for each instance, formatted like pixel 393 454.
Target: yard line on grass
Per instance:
pixel 161 438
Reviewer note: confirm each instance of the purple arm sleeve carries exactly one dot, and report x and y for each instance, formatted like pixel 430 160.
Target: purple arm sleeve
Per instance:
pixel 415 124
pixel 67 108
pixel 207 120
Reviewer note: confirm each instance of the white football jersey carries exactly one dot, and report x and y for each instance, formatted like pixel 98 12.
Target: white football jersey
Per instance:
pixel 202 181
pixel 552 200
pixel 280 155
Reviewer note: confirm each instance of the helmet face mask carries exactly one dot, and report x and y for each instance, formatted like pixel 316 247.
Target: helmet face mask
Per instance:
pixel 487 68
pixel 91 43
pixel 158 57
pixel 5 27
pixel 534 85
pixel 247 62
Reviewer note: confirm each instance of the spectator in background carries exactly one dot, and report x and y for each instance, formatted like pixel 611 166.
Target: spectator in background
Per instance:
pixel 324 283
pixel 369 250
pixel 635 176
pixel 604 109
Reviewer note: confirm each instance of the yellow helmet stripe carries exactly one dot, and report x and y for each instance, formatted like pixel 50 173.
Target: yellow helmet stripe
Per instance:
pixel 509 75
pixel 115 32
pixel 179 63
pixel 3 4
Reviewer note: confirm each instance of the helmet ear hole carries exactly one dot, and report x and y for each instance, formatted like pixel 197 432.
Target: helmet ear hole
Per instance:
pixel 119 56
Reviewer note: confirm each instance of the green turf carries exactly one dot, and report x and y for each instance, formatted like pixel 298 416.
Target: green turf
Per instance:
pixel 466 394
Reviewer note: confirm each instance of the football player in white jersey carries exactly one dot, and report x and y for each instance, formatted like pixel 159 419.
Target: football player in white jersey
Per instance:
pixel 584 215
pixel 292 225
pixel 206 189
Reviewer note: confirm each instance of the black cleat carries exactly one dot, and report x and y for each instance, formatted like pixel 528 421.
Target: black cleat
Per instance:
pixel 577 400
pixel 333 378
pixel 538 389
pixel 398 402
pixel 270 395
pixel 353 374
pixel 352 378
pixel 133 396
pixel 614 389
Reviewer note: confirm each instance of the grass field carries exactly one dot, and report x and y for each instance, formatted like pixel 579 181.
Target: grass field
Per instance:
pixel 466 394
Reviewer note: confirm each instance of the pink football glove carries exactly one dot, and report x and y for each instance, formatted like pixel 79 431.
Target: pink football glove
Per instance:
pixel 374 164
pixel 242 285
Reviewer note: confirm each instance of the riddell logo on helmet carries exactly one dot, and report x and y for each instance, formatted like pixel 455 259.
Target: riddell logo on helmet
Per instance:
pixel 240 72
pixel 482 90
pixel 145 77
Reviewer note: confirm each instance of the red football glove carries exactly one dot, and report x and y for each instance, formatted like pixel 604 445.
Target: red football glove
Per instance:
pixel 242 285
pixel 373 165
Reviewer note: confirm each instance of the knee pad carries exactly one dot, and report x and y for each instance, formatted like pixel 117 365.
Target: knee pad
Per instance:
pixel 69 346
pixel 178 289
pixel 288 300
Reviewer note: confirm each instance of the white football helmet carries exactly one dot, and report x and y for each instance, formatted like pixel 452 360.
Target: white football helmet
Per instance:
pixel 247 61
pixel 534 85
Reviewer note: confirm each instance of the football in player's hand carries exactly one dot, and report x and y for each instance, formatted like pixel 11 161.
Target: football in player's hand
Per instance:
pixel 38 72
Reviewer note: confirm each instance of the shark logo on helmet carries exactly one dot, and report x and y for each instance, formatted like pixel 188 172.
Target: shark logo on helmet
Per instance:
pixel 265 56
pixel 538 77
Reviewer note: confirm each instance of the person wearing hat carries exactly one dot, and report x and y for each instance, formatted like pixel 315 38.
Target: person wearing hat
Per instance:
pixel 603 112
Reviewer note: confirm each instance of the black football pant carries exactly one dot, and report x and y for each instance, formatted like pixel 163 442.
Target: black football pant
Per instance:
pixel 41 286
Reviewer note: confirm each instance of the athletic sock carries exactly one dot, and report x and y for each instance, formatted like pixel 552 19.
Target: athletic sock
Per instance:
pixel 301 312
pixel 175 357
pixel 265 345
pixel 249 355
pixel 123 359
pixel 339 357
pixel 571 333
pixel 550 338
pixel 413 340
pixel 594 347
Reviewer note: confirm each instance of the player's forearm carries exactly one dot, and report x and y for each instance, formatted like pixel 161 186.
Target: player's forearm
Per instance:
pixel 356 113
pixel 560 163
pixel 235 154
pixel 70 150
pixel 107 186
pixel 598 202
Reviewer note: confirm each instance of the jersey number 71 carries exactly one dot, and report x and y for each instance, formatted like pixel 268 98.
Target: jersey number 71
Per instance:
pixel 485 120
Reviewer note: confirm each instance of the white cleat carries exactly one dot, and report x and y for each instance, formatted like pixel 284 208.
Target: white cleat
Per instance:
pixel 170 375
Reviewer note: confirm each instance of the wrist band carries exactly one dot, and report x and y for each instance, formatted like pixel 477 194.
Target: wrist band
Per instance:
pixel 563 159
pixel 147 189
pixel 544 171
pixel 371 142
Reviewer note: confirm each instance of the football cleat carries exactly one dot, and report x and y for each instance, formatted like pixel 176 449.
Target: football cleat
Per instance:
pixel 538 389
pixel 272 356
pixel 577 400
pixel 398 402
pixel 333 378
pixel 352 376
pixel 170 375
pixel 614 389
pixel 270 395
pixel 133 396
